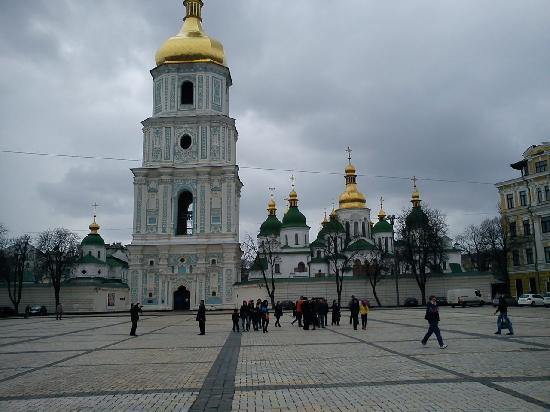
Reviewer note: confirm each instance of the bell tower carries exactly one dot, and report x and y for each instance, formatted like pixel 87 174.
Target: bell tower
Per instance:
pixel 187 190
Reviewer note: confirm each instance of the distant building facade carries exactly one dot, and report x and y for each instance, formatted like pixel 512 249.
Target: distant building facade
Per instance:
pixel 525 212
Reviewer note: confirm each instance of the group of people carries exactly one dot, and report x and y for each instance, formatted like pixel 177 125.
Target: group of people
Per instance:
pixel 314 313
pixel 256 316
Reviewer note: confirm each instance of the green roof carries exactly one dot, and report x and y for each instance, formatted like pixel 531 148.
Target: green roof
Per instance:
pixel 455 267
pixel 294 218
pixel 318 243
pixel 114 261
pixel 382 226
pixel 360 244
pixel 90 259
pixel 93 239
pixel 417 217
pixel 271 226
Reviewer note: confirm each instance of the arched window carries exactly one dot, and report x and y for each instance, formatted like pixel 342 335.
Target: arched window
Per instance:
pixel 286 240
pixel 355 229
pixel 185 214
pixel 318 254
pixel 301 267
pixel 347 230
pixel 187 93
pixel 364 229
pixel 99 254
pixel 386 244
pixel 277 268
pixel 296 239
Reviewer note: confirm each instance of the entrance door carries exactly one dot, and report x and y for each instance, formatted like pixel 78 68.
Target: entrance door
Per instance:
pixel 519 287
pixel 182 298
pixel 533 285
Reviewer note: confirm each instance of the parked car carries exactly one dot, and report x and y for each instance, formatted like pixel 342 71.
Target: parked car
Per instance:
pixel 546 297
pixel 287 305
pixel 441 300
pixel 530 299
pixel 6 311
pixel 464 297
pixel 410 302
pixel 38 311
pixel 510 300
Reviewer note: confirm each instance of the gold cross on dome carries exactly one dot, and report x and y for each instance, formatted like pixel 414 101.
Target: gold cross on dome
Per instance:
pixel 272 190
pixel 349 154
pixel 414 179
pixel 292 181
pixel 95 205
pixel 381 201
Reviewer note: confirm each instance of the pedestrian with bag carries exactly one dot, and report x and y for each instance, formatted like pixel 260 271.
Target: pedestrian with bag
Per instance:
pixel 432 316
pixel 503 321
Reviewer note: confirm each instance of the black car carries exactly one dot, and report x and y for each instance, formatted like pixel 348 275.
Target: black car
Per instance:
pixel 38 311
pixel 441 300
pixel 6 311
pixel 411 302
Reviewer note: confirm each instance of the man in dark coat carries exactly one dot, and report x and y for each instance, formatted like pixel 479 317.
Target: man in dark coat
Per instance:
pixel 354 311
pixel 135 310
pixel 503 321
pixel 432 316
pixel 278 314
pixel 201 317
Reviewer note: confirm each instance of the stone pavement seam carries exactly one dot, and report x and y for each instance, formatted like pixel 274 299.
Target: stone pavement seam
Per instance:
pixel 489 384
pixel 218 388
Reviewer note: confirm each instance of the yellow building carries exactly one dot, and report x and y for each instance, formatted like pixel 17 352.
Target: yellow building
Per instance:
pixel 525 210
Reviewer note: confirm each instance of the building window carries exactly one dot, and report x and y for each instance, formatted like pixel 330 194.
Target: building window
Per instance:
pixel 444 265
pixel 151 262
pixel 515 257
pixel 301 267
pixel 386 244
pixel 547 254
pixel 187 93
pixel 363 229
pixel 213 262
pixel 539 195
pixel 296 239
pixel 510 201
pixel 213 293
pixel 277 268
pixel 546 192
pixel 529 256
pixel 545 224
pixel 355 229
pixel 185 141
pixel 347 230
pixel 286 240
pixel 89 253
pixel 318 254
pixel 512 226
pixel 184 225
pixel 540 166
pixel 526 228
pixel 523 198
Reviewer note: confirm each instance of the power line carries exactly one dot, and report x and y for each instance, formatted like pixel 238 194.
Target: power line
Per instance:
pixel 266 169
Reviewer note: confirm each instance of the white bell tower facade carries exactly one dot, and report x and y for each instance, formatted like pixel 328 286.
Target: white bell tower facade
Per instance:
pixel 185 244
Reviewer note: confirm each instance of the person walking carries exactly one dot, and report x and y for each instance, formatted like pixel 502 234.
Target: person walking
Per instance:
pixel 59 311
pixel 354 311
pixel 135 310
pixel 264 310
pixel 278 314
pixel 335 313
pixel 503 321
pixel 243 315
pixel 235 319
pixel 325 311
pixel 364 311
pixel 432 316
pixel 299 311
pixel 201 318
pixel 250 315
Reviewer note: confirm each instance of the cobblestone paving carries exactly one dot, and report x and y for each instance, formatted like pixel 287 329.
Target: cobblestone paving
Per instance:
pixel 90 363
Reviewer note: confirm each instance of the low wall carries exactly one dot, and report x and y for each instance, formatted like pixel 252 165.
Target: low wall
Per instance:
pixel 73 298
pixel 292 289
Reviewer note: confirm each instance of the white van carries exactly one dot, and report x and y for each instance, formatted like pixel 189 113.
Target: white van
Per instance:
pixel 463 297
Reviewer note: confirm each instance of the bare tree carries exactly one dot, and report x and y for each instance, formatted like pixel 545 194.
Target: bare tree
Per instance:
pixel 59 249
pixel 472 242
pixel 264 259
pixel 422 234
pixel 496 242
pixel 377 264
pixel 17 257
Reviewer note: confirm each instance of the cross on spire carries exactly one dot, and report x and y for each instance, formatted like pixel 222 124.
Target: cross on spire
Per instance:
pixel 349 154
pixel 381 202
pixel 272 190
pixel 292 181
pixel 414 179
pixel 95 205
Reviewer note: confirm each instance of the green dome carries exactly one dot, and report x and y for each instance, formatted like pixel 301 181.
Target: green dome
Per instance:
pixel 382 226
pixel 417 218
pixel 294 218
pixel 271 226
pixel 93 239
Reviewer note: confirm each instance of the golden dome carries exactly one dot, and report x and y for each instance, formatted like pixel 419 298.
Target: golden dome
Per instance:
pixel 191 44
pixel 271 206
pixel 415 197
pixel 381 214
pixel 351 198
pixel 94 227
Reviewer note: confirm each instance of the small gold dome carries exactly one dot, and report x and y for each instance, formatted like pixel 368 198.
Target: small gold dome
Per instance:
pixel 94 227
pixel 271 206
pixel 351 198
pixel 381 214
pixel 293 194
pixel 191 44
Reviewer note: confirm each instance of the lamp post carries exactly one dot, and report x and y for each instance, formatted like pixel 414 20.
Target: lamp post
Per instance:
pixel 395 268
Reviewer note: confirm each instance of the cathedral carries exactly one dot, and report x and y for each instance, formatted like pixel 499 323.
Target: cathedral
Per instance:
pixel 185 243
pixel 285 252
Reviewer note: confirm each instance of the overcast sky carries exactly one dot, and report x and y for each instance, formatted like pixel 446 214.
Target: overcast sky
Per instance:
pixel 439 89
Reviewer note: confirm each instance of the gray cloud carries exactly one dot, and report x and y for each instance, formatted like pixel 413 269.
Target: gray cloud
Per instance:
pixel 450 90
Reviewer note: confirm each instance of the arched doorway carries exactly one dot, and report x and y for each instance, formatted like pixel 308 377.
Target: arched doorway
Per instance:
pixel 182 298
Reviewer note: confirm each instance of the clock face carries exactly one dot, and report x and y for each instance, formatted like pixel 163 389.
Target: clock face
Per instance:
pixel 185 142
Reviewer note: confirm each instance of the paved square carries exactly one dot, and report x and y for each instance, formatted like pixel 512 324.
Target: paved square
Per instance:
pixel 91 363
